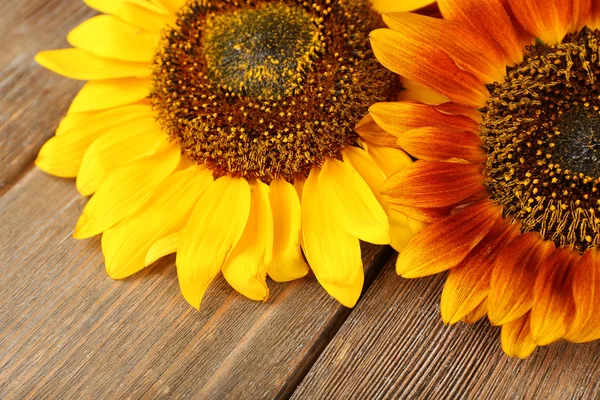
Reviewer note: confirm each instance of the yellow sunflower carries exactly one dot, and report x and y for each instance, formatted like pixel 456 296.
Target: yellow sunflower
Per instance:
pixel 224 131
pixel 508 163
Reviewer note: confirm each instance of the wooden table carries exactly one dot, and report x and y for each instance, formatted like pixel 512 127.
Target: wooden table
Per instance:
pixel 68 331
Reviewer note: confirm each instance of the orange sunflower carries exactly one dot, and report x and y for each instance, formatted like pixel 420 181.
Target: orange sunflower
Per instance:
pixel 506 130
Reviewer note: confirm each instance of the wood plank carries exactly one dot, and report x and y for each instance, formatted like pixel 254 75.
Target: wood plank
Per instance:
pixel 33 100
pixel 394 345
pixel 69 331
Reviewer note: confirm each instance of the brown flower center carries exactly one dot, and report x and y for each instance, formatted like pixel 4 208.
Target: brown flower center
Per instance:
pixel 266 89
pixel 542 131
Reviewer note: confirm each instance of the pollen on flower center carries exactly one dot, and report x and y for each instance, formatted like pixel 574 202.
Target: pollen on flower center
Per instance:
pixel 542 128
pixel 267 89
pixel 263 52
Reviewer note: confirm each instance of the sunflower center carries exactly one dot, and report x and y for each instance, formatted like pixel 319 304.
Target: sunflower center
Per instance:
pixel 267 89
pixel 541 128
pixel 264 52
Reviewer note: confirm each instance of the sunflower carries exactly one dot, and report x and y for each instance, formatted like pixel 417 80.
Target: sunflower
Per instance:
pixel 508 165
pixel 223 131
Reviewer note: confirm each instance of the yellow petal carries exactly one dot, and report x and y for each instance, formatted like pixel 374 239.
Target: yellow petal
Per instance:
pixel 172 5
pixel 412 90
pixel 516 338
pixel 162 247
pixel 125 190
pixel 388 159
pixel 401 230
pixel 141 14
pixel 103 94
pixel 78 64
pixel 386 6
pixel 215 227
pixel 351 202
pixel 72 121
pixel 246 266
pixel 62 154
pixel 110 37
pixel 115 148
pixel 333 254
pixel 167 210
pixel 287 263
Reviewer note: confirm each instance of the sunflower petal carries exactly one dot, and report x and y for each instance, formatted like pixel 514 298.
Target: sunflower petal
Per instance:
pixel 399 117
pixel 78 64
pixel 167 210
pixel 333 254
pixel 586 293
pixel 402 228
pixel 490 19
pixel 452 238
pixel 125 190
pixel 516 338
pixel 442 144
pixel 581 10
pixel 104 94
pixel 473 52
pixel 287 263
pixel 553 306
pixel 397 52
pixel 414 91
pixel 389 160
pixel 477 314
pixel 386 6
pixel 351 202
pixel 138 14
pixel 369 131
pixel 214 228
pixel 246 266
pixel 549 20
pixel 433 184
pixel 110 37
pixel 163 247
pixel 467 285
pixel 62 155
pixel 115 148
pixel 172 5
pixel 513 277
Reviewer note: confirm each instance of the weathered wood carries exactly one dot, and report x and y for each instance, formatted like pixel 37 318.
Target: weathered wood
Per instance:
pixel 394 345
pixel 69 331
pixel 32 100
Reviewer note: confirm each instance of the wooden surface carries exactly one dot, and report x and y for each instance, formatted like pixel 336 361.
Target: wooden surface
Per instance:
pixel 68 331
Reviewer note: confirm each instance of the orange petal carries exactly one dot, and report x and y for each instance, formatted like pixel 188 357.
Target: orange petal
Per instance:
pixel 368 130
pixel 398 52
pixel 586 293
pixel 433 184
pixel 473 52
pixel 549 20
pixel 445 244
pixel 516 338
pixel 581 13
pixel 442 144
pixel 477 314
pixel 553 306
pixel 468 283
pixel 513 277
pixel 489 18
pixel 399 117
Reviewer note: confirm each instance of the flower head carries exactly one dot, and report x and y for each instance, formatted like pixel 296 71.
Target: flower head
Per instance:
pixel 508 163
pixel 223 131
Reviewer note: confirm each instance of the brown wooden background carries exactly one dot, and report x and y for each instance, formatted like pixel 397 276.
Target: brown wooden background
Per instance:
pixel 68 331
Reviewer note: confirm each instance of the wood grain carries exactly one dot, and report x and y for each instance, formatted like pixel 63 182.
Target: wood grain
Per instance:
pixel 394 345
pixel 32 100
pixel 68 331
